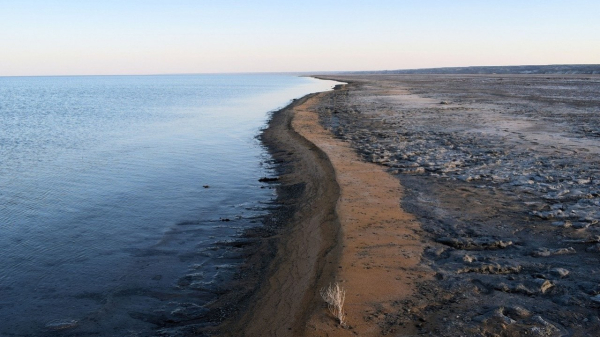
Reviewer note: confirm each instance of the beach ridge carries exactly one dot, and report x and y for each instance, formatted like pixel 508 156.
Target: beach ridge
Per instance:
pixel 348 228
pixel 381 244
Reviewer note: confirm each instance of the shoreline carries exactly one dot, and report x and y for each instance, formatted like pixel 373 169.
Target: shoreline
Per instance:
pixel 344 224
pixel 299 247
pixel 381 244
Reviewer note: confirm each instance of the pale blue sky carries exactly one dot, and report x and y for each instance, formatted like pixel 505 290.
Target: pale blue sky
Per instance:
pixel 55 37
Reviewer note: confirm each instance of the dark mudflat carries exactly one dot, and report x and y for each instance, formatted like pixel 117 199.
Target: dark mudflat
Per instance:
pixel 503 173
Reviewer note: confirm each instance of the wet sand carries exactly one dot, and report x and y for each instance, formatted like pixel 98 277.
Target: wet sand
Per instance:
pixel 308 246
pixel 444 205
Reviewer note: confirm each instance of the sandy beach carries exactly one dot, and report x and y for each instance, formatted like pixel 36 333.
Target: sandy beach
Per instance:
pixel 443 205
pixel 347 227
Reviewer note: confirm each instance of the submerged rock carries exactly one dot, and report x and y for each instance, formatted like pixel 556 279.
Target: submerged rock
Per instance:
pixel 268 179
pixel 62 324
pixel 187 311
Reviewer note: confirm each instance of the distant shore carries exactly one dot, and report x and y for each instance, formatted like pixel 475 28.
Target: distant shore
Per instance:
pixel 555 69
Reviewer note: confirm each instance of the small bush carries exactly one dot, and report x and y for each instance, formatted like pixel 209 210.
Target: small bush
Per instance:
pixel 335 295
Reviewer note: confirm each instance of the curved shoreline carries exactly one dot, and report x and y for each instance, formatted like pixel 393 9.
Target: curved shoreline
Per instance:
pixel 302 247
pixel 308 244
pixel 346 225
pixel 380 244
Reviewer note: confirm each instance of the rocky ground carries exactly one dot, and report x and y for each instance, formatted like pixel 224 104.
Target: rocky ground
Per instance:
pixel 504 175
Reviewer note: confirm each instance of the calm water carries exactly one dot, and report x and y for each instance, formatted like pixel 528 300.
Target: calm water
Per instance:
pixel 105 226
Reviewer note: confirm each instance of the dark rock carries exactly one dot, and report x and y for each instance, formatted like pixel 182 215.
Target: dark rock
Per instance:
pixel 545 252
pixel 496 314
pixel 187 311
pixel 62 324
pixel 559 272
pixel 474 244
pixel 595 248
pixel 268 180
pixel 536 286
pixel 491 268
pixel 517 312
pixel 544 328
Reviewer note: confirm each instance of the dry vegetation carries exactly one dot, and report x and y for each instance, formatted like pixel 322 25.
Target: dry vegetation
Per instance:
pixel 335 295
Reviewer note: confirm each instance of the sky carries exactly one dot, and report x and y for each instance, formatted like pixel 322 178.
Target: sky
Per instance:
pixel 81 37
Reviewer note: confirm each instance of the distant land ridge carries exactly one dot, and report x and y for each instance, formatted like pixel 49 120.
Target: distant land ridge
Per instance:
pixel 527 69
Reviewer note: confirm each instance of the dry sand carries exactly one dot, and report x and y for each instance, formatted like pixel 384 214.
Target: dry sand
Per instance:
pixel 381 246
pixel 349 229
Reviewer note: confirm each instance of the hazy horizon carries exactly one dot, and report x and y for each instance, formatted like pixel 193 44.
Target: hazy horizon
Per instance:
pixel 195 37
pixel 300 73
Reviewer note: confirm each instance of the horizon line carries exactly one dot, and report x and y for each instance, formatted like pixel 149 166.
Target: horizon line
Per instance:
pixel 302 72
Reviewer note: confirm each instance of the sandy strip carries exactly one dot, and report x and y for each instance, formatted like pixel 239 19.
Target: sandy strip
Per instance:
pixel 348 228
pixel 381 245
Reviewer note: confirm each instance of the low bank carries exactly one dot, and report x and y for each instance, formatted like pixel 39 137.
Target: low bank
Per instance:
pixel 343 225
pixel 302 245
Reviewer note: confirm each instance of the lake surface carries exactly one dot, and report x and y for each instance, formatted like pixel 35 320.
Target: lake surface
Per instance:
pixel 113 190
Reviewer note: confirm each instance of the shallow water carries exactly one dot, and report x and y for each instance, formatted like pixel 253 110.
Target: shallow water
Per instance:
pixel 105 220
